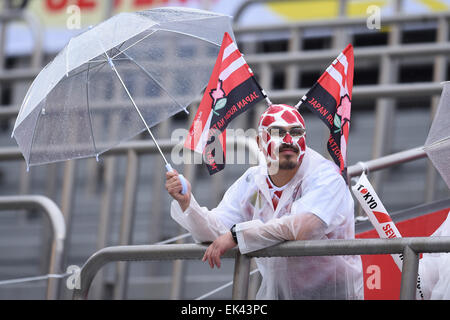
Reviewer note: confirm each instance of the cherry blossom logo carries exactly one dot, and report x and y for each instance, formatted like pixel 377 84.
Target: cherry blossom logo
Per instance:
pixel 343 114
pixel 219 98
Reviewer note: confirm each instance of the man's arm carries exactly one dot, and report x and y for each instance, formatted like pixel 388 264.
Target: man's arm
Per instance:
pixel 254 235
pixel 261 235
pixel 203 224
pixel 217 249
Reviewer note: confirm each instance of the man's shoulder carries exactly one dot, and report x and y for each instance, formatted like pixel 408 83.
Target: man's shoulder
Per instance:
pixel 321 168
pixel 318 163
pixel 250 174
pixel 245 181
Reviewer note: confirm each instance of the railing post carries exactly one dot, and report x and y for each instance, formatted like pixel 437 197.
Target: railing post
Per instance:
pixel 105 218
pixel 409 274
pixel 179 266
pixel 127 222
pixel 241 277
pixel 254 282
pixel 67 203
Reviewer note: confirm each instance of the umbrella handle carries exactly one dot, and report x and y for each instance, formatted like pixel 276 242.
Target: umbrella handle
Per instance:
pixel 184 186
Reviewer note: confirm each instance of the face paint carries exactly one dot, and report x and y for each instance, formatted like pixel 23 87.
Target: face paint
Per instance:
pixel 283 116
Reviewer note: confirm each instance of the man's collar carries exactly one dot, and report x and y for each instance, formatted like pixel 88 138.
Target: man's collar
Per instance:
pixel 262 172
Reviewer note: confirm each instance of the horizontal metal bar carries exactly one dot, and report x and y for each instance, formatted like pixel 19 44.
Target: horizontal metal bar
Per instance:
pixel 369 91
pixel 32 279
pixel 137 253
pixel 146 147
pixel 359 92
pixel 19 74
pixel 285 249
pixel 11 15
pixel 386 161
pixel 140 147
pixel 8 111
pixel 283 58
pixel 355 247
pixel 403 51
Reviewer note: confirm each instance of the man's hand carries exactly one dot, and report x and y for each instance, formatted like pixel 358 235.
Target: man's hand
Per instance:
pixel 217 249
pixel 173 186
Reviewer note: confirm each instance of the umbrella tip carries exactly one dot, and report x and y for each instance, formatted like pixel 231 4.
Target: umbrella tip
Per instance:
pixel 97 157
pixel 186 110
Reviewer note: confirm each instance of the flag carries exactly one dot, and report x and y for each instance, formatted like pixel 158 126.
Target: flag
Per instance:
pixel 380 219
pixel 330 99
pixel 232 90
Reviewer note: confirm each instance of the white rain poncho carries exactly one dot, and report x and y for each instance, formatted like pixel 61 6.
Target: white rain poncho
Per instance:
pixel 317 188
pixel 434 269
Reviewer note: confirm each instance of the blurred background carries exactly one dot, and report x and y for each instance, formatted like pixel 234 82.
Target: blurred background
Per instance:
pixel 402 55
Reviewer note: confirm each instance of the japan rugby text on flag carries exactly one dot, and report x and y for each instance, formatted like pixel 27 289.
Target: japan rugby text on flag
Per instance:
pixel 232 89
pixel 330 99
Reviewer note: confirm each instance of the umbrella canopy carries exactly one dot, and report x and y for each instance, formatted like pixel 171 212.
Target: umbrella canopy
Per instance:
pixel 437 145
pixel 115 80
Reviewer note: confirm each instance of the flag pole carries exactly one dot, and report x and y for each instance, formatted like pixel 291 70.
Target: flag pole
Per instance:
pixel 303 99
pixel 266 97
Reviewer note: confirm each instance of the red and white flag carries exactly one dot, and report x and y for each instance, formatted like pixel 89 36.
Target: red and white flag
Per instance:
pixel 232 89
pixel 330 99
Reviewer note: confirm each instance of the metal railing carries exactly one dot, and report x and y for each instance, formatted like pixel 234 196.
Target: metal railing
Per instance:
pixel 329 247
pixel 13 15
pixel 266 65
pixel 409 247
pixel 386 161
pixel 58 234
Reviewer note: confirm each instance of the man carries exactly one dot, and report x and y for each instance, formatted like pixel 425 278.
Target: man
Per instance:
pixel 435 268
pixel 296 195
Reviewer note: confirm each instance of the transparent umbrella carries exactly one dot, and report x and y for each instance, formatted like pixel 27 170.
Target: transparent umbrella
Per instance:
pixel 116 80
pixel 437 145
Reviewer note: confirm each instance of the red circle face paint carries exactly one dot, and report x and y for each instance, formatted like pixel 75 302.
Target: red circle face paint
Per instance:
pixel 283 116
